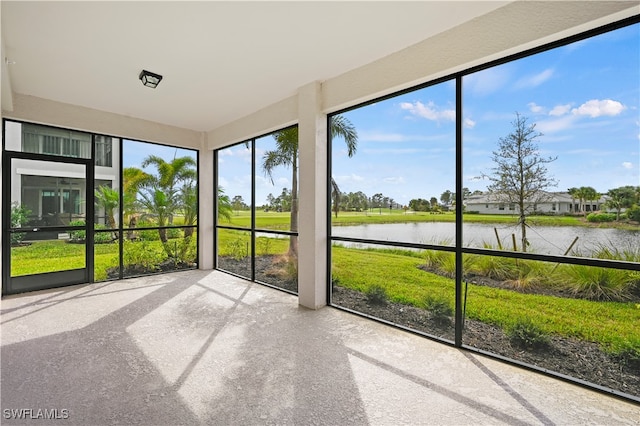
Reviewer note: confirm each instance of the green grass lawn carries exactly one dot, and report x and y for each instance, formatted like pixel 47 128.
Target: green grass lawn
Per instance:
pixel 281 221
pixel 608 323
pixel 59 255
pixel 46 256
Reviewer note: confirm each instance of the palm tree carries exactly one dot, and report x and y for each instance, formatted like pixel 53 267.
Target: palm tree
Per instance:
pixel 335 196
pixel 617 200
pixel 132 180
pixel 108 199
pixel 224 205
pixel 585 193
pixel 161 194
pixel 286 154
pixel 189 204
pixel 572 191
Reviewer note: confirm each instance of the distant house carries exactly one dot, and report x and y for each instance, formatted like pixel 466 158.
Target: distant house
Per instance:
pixel 554 203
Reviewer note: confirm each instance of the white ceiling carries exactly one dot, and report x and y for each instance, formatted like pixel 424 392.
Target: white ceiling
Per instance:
pixel 220 60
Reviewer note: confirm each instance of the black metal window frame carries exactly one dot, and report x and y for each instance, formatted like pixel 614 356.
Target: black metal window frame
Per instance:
pixel 90 163
pixel 252 230
pixel 459 249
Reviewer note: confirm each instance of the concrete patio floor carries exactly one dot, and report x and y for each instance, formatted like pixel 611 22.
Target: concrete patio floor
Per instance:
pixel 203 347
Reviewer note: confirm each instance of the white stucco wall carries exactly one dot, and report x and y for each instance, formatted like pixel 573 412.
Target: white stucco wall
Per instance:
pixel 47 112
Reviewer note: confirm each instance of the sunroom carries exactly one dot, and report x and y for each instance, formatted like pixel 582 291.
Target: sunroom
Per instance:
pixel 301 145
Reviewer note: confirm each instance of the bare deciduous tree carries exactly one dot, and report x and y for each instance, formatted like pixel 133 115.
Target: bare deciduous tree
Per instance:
pixel 520 175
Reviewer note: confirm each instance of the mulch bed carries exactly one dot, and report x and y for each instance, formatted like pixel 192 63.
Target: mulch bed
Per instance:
pixel 270 269
pixel 138 270
pixel 572 357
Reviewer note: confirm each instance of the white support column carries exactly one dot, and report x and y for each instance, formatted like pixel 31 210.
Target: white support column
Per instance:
pixel 312 228
pixel 206 220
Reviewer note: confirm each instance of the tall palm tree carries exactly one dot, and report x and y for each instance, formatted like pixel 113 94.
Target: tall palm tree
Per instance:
pixel 586 193
pixel 573 191
pixel 132 180
pixel 224 205
pixel 189 203
pixel 286 154
pixel 617 200
pixel 335 196
pixel 160 193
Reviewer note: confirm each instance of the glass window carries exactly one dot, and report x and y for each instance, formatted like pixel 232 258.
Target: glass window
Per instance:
pixel 556 133
pixel 267 167
pixel 393 168
pixel 548 146
pixel 53 141
pixel 160 208
pixel 104 151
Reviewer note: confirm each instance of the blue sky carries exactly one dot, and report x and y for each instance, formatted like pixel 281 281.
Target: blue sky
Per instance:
pixel 234 172
pixel 583 98
pixel 134 153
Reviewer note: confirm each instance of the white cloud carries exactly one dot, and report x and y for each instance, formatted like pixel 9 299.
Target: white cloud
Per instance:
pixel 595 108
pixel 534 80
pixel 349 178
pixel 381 137
pixel 535 108
pixel 394 180
pixel 559 110
pixel 556 125
pixel 469 123
pixel 488 81
pixel 429 111
pixel 627 165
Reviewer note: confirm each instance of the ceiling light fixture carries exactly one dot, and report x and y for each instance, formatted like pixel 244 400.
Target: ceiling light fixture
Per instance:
pixel 150 79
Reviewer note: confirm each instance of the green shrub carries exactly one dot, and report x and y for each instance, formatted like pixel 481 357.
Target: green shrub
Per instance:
pixel 237 248
pixel 597 283
pixel 530 274
pixel 376 295
pixel 264 243
pixel 79 236
pixel 435 258
pixel 142 254
pixel 526 334
pixel 19 217
pixel 633 213
pixel 440 309
pixel 173 233
pixel 186 250
pixel 444 262
pixel 497 268
pixel 601 217
pixel 102 237
pixel 148 234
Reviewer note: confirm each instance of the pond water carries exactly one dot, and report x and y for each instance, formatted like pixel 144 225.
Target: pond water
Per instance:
pixel 554 240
